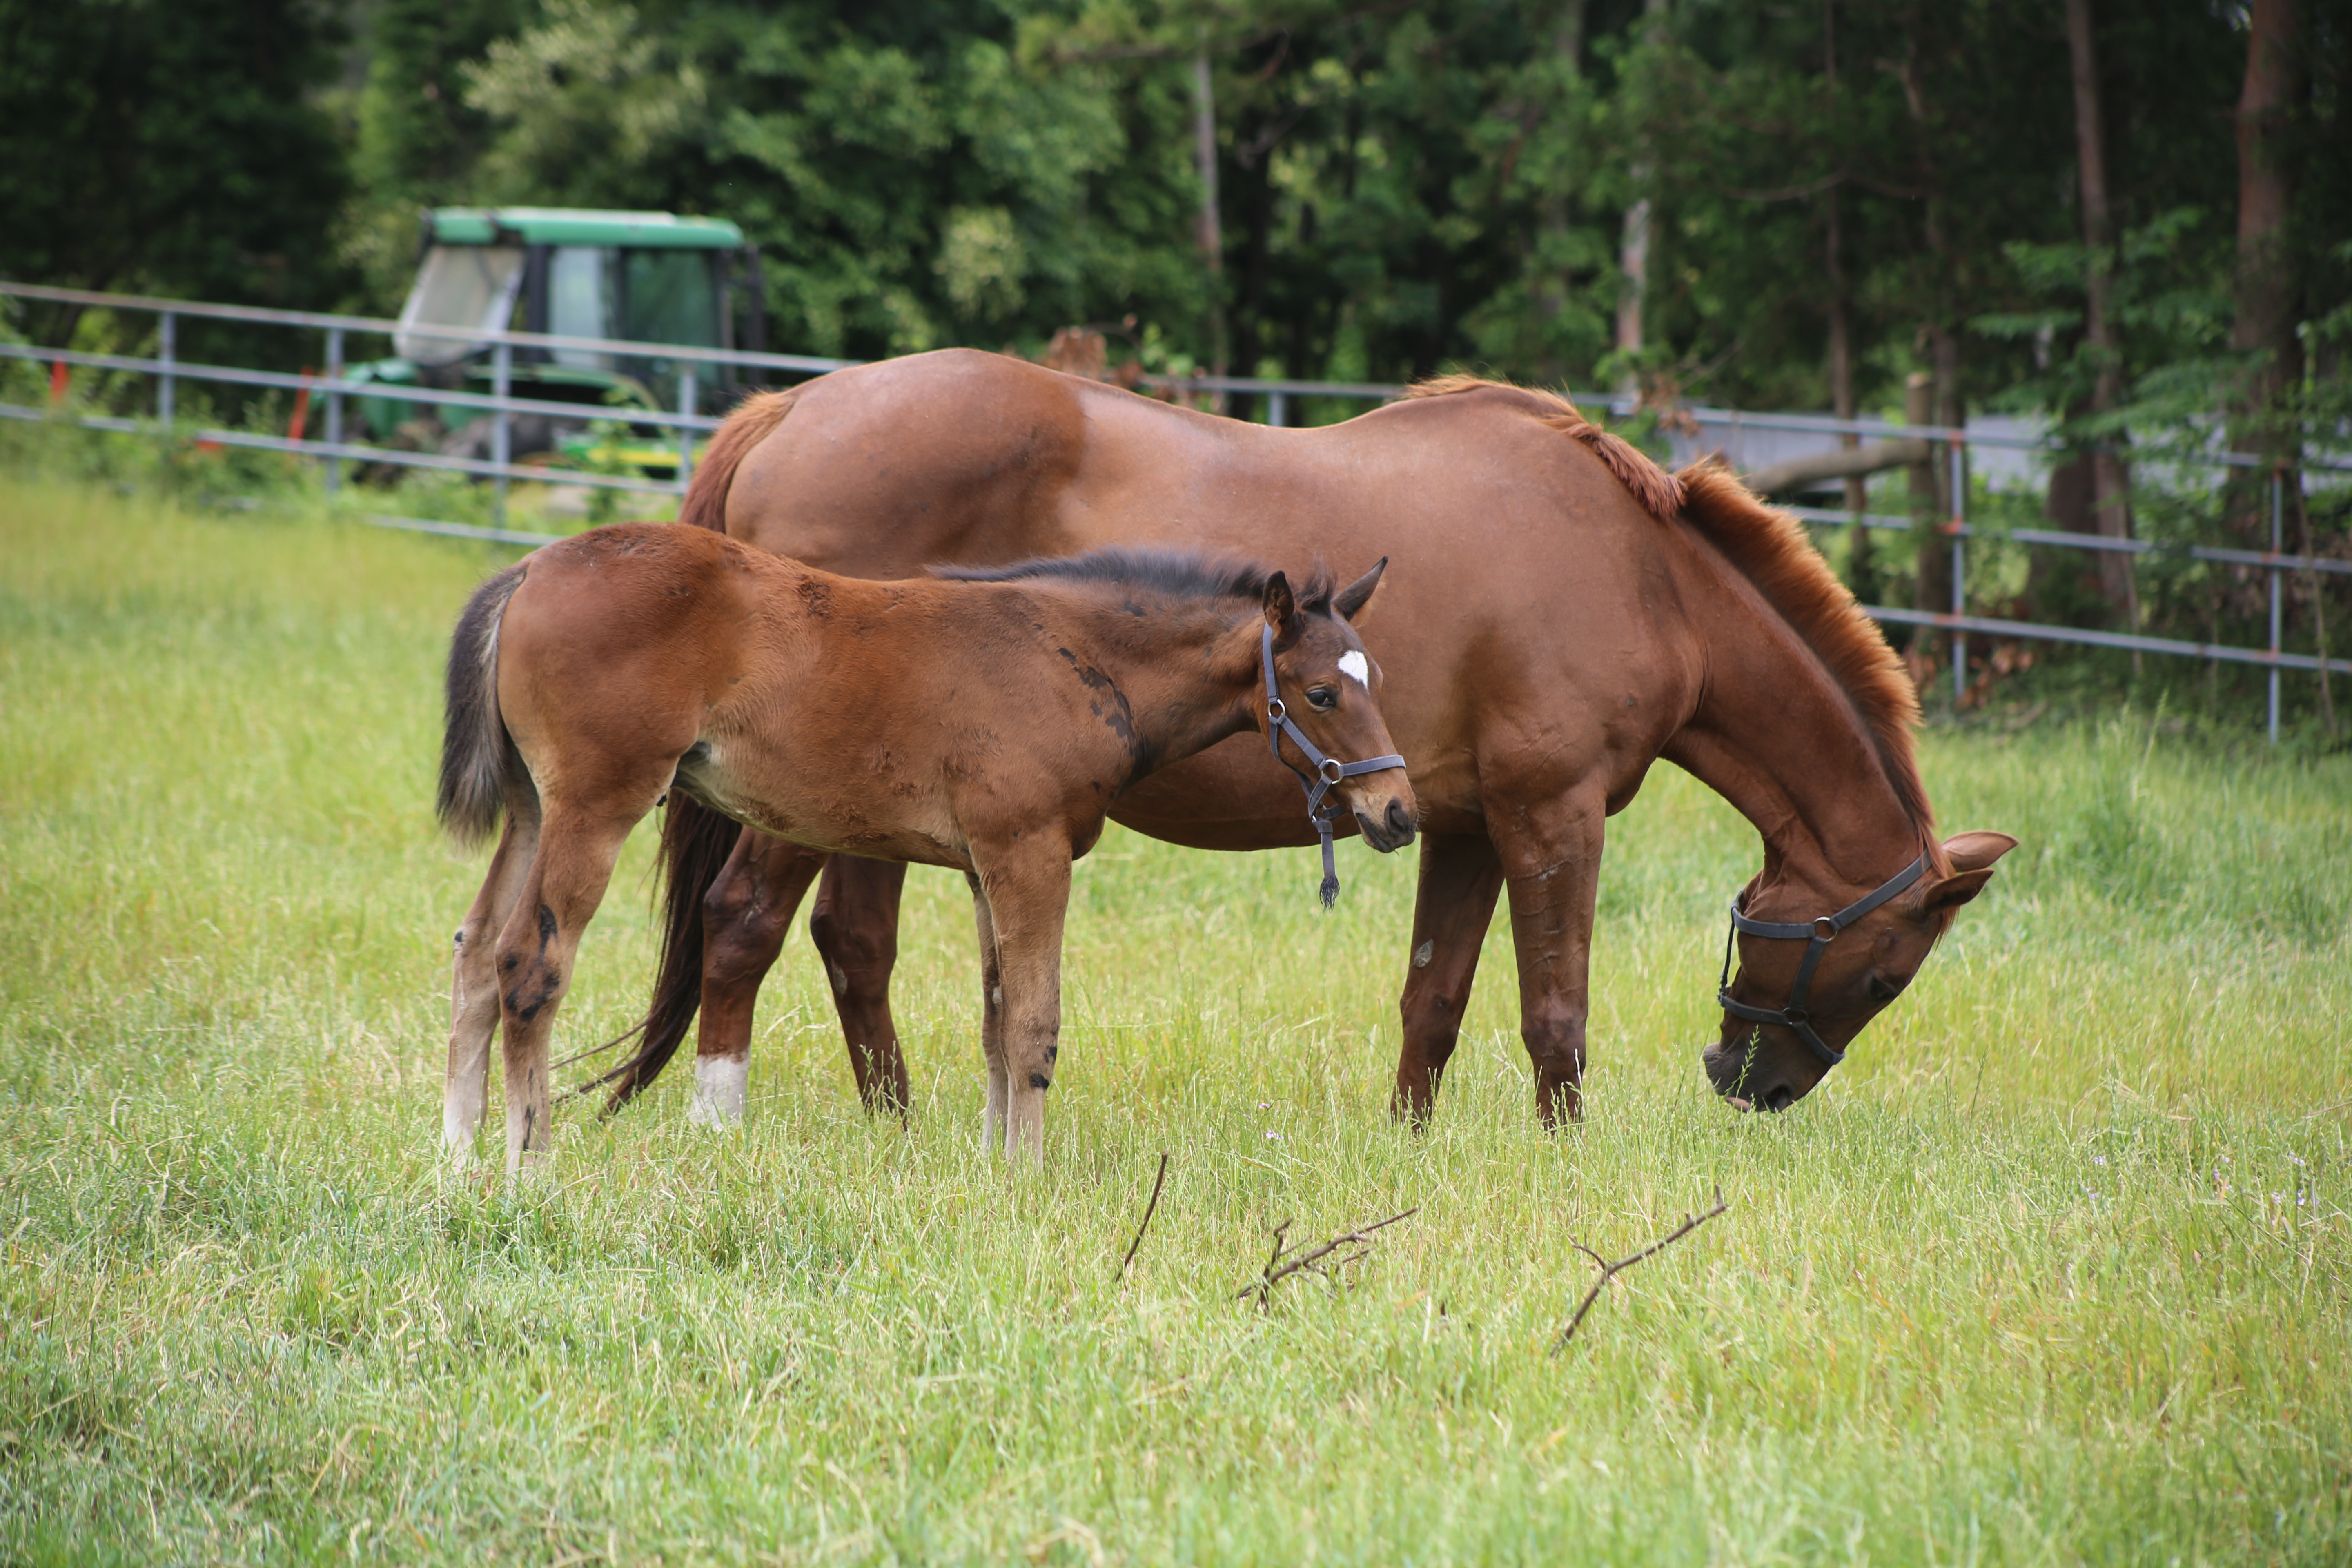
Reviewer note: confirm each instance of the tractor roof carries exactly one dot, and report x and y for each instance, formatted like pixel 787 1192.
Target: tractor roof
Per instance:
pixel 580 225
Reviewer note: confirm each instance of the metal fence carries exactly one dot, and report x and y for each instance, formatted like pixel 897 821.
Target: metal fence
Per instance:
pixel 332 386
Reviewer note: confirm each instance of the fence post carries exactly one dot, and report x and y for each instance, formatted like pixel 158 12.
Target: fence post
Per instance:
pixel 1277 409
pixel 1959 466
pixel 2277 507
pixel 686 405
pixel 334 408
pixel 167 332
pixel 501 425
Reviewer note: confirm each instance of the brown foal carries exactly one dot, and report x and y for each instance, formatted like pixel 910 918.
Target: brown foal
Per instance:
pixel 986 725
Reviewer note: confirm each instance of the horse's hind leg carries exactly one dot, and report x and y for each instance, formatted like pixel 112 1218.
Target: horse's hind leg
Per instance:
pixel 745 917
pixel 535 953
pixel 856 927
pixel 1455 900
pixel 473 985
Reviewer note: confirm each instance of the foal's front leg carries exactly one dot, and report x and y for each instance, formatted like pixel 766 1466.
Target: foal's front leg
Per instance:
pixel 1028 897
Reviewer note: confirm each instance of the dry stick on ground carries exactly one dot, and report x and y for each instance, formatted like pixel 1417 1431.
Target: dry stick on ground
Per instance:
pixel 1148 1210
pixel 1278 1268
pixel 1611 1270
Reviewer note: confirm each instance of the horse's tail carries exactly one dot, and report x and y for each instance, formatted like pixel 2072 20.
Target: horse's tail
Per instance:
pixel 705 497
pixel 481 772
pixel 696 842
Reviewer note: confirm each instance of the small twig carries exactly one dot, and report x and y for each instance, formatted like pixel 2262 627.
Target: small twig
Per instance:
pixel 1611 1270
pixel 1279 1265
pixel 1148 1210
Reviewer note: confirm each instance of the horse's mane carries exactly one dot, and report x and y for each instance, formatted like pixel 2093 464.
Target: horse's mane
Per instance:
pixel 1177 574
pixel 1769 548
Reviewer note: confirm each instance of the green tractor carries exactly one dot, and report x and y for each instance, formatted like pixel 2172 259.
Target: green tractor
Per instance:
pixel 639 277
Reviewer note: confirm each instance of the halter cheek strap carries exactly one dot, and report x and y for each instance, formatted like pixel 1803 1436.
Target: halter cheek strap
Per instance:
pixel 1817 935
pixel 1327 771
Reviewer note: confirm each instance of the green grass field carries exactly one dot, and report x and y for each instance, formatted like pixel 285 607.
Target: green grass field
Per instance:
pixel 2055 1269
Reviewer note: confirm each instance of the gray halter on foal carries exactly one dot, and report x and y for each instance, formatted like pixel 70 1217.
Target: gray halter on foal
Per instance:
pixel 1327 771
pixel 1817 933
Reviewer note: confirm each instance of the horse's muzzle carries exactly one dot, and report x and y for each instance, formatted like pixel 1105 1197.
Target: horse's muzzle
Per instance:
pixel 1389 832
pixel 1745 1084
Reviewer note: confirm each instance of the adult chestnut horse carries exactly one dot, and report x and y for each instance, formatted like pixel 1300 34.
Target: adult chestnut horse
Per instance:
pixel 985 725
pixel 1563 614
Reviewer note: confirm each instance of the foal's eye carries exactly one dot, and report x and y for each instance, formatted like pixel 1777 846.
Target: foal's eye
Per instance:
pixel 1324 697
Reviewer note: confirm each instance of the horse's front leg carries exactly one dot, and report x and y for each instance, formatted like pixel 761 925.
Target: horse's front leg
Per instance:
pixel 854 926
pixel 745 917
pixel 1460 876
pixel 1028 897
pixel 1550 856
pixel 474 986
pixel 991 1020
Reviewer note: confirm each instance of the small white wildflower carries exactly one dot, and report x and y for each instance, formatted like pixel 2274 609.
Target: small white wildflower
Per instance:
pixel 1274 1137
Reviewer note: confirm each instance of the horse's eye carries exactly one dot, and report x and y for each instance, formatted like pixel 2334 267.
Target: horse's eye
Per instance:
pixel 1324 697
pixel 1881 991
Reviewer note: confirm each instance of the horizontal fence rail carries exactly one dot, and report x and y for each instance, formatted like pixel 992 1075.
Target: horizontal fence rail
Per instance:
pixel 1276 396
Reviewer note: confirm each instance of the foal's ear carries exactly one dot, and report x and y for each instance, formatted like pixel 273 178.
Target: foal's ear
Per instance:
pixel 1350 600
pixel 1281 607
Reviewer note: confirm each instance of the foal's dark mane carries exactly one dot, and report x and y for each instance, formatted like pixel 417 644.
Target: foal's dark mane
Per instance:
pixel 1175 573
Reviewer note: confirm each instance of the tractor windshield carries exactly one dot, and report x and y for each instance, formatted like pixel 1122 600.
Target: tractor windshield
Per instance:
pixel 468 288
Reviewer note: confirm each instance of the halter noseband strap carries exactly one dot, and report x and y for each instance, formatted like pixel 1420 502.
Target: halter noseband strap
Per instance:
pixel 1817 934
pixel 1327 771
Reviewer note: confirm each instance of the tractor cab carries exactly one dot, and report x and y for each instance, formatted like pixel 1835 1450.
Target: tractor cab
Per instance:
pixel 648 278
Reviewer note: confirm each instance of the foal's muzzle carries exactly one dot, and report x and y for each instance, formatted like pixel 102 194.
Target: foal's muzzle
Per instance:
pixel 1389 831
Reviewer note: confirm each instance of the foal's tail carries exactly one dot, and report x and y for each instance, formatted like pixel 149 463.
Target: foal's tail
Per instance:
pixel 481 771
pixel 696 842
pixel 705 495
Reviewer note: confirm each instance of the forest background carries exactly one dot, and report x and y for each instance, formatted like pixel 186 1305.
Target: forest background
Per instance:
pixel 2135 220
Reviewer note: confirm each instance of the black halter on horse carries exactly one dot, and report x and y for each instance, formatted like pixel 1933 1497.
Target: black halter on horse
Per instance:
pixel 1327 772
pixel 1818 934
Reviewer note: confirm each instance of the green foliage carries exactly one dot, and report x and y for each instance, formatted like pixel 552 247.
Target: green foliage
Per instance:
pixel 2056 1268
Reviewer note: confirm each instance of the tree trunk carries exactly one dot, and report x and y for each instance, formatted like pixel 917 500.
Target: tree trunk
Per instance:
pixel 1862 566
pixel 1551 286
pixel 1210 232
pixel 1929 510
pixel 1633 245
pixel 2110 482
pixel 2277 82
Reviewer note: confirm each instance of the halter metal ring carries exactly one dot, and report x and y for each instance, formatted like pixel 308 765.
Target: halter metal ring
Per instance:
pixel 1330 771
pixel 1275 710
pixel 1824 928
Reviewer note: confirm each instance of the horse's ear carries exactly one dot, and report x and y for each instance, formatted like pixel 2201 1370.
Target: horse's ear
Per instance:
pixel 1281 607
pixel 1972 856
pixel 1977 851
pixel 1350 600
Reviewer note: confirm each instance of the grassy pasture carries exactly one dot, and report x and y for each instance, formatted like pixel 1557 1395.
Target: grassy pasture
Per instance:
pixel 2055 1269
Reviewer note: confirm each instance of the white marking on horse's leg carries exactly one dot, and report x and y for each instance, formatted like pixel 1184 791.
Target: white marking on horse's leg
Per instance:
pixel 1353 664
pixel 719 1086
pixel 1425 953
pixel 996 995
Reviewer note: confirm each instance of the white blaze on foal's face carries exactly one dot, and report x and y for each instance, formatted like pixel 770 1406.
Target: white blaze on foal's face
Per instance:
pixel 1356 668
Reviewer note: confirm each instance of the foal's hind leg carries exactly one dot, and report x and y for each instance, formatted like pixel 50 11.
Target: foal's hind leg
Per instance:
pixel 473 985
pixel 992 1020
pixel 536 949
pixel 745 916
